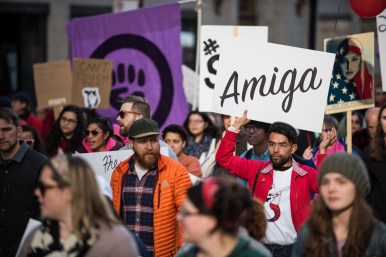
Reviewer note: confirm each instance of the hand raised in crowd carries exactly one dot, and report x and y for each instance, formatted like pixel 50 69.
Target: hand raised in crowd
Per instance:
pixel 328 140
pixel 307 154
pixel 241 121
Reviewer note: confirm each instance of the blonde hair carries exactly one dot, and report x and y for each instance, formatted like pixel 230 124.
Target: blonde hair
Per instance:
pixel 90 209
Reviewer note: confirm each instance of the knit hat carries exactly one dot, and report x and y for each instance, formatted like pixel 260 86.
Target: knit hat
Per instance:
pixel 284 129
pixel 350 166
pixel 143 127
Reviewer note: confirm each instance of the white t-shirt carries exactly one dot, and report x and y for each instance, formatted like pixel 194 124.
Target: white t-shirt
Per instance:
pixel 280 228
pixel 140 172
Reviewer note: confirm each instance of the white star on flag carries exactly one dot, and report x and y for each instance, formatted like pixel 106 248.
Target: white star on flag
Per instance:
pixel 338 76
pixel 344 90
pixel 352 96
pixel 332 98
pixel 340 101
pixel 335 85
pixel 347 81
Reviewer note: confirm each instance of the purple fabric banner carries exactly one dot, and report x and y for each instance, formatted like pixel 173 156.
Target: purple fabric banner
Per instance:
pixel 146 51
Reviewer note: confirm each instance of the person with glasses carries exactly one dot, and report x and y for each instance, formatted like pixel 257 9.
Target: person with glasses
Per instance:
pixel 257 137
pixel 77 220
pixel 212 216
pixel 20 168
pixel 282 184
pixel 329 143
pixel 99 136
pixel 67 133
pixel 133 108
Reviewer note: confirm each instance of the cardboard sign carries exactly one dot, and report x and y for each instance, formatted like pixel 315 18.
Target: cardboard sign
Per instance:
pixel 53 83
pixel 92 83
pixel 212 39
pixel 104 163
pixel 352 81
pixel 274 82
pixel 381 26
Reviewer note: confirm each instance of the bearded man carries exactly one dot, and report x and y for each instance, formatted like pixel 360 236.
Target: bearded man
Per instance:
pixel 282 184
pixel 149 189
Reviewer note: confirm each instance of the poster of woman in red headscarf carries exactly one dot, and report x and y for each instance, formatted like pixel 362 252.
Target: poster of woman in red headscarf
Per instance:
pixel 352 81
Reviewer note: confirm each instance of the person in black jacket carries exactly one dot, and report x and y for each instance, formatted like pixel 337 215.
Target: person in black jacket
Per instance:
pixel 19 172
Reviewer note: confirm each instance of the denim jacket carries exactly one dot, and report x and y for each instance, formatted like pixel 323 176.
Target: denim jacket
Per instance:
pixel 376 248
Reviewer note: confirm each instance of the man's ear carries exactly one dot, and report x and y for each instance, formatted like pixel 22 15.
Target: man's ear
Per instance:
pixel 294 148
pixel 183 143
pixel 131 143
pixel 19 131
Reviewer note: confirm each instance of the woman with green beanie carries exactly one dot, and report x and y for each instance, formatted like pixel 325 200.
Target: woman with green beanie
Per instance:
pixel 341 222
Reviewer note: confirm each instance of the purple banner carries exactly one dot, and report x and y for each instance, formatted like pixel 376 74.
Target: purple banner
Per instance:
pixel 146 51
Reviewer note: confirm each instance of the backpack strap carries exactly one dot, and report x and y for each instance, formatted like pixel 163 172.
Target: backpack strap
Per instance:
pixel 249 153
pixel 256 177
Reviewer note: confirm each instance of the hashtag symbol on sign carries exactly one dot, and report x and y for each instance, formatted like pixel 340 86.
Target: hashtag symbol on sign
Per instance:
pixel 210 45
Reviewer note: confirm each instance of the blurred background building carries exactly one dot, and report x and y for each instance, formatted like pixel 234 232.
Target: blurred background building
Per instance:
pixel 33 31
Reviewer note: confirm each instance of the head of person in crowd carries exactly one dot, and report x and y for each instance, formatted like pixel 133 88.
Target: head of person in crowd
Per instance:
pixel 31 137
pixel 226 121
pixel 344 182
pixel 282 139
pixel 214 211
pixel 176 137
pixel 144 140
pixel 256 132
pixel 10 132
pixel 80 210
pixel 198 125
pixel 88 114
pixel 5 101
pixel 371 118
pixel 380 96
pixel 329 129
pixel 21 102
pixel 133 108
pixel 255 220
pixel 69 126
pixel 98 133
pixel 356 121
pixel 378 143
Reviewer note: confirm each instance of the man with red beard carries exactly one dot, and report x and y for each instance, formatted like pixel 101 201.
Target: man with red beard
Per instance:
pixel 149 189
pixel 284 185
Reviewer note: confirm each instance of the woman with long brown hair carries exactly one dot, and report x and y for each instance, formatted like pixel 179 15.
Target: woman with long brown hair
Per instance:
pixel 341 222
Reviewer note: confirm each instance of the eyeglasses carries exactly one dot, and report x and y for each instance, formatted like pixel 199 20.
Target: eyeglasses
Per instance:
pixel 194 122
pixel 282 146
pixel 43 188
pixel 327 130
pixel 123 113
pixel 93 132
pixel 252 128
pixel 29 141
pixel 184 213
pixel 65 120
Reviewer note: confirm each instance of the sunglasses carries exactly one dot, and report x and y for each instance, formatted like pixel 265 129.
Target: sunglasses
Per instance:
pixel 92 132
pixel 184 213
pixel 43 188
pixel 29 141
pixel 123 113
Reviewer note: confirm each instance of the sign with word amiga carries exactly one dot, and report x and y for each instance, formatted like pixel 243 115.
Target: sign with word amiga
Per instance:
pixel 273 82
pixel 212 38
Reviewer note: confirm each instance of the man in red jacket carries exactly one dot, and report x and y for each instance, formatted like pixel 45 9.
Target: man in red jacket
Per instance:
pixel 284 185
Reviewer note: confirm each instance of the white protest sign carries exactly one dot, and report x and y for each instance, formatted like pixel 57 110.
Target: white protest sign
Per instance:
pixel 381 26
pixel 104 163
pixel 274 82
pixel 31 225
pixel 212 38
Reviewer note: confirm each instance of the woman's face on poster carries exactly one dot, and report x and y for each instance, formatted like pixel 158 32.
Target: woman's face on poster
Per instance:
pixel 350 65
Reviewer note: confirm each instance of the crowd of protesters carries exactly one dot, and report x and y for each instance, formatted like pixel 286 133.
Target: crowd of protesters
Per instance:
pixel 258 196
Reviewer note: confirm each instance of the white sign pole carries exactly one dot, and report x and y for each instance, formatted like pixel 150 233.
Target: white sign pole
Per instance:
pixel 381 27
